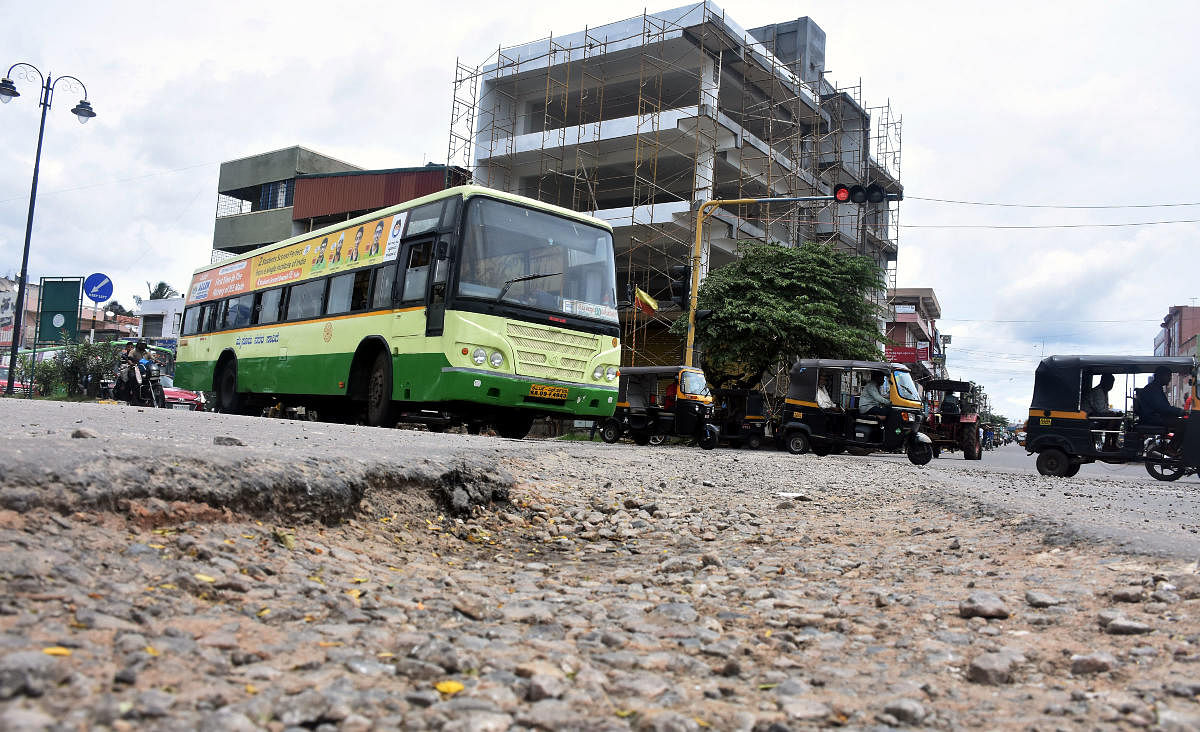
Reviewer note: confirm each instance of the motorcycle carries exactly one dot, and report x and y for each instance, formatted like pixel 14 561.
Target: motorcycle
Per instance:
pixel 139 383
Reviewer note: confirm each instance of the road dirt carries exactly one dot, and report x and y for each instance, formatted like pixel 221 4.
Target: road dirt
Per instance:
pixel 472 583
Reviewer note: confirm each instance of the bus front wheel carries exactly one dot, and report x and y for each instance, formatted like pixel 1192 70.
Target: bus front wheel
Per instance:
pixel 228 399
pixel 514 426
pixel 379 392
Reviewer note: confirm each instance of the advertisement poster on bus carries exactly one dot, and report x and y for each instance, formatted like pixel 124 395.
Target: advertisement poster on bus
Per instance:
pixel 354 246
pixel 226 280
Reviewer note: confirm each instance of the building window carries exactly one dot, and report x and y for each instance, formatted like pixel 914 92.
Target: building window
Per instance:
pixel 276 195
pixel 152 326
pixel 175 320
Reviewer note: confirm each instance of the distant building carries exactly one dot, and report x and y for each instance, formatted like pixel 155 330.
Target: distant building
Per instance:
pixel 913 334
pixel 94 320
pixel 266 198
pixel 640 120
pixel 1177 337
pixel 159 320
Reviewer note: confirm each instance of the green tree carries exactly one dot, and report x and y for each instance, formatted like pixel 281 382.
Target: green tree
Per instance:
pixel 775 304
pixel 161 291
pixel 117 308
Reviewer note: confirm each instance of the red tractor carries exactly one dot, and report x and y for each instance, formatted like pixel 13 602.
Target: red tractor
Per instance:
pixel 953 422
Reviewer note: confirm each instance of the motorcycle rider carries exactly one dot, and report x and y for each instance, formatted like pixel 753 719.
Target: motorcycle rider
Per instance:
pixel 129 380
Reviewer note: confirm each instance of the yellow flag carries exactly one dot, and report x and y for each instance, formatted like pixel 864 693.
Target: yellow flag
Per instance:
pixel 644 302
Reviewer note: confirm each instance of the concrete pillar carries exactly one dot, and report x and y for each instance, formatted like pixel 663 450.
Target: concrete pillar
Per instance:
pixel 703 188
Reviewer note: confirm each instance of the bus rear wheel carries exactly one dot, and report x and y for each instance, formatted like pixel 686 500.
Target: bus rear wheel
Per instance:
pixel 379 393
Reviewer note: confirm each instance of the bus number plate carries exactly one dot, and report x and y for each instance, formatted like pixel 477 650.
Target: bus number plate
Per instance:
pixel 1044 421
pixel 548 392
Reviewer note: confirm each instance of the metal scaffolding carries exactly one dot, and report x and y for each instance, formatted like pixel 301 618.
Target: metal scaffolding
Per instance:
pixel 641 120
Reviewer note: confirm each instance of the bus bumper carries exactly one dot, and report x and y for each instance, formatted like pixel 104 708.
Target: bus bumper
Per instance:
pixel 583 401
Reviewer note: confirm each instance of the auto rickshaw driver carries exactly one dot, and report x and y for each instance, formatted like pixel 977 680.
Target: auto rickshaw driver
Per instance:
pixel 873 400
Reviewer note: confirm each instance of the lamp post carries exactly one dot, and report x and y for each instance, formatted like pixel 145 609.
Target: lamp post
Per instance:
pixel 83 110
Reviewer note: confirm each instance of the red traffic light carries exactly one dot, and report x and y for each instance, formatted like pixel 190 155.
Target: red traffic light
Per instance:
pixel 873 193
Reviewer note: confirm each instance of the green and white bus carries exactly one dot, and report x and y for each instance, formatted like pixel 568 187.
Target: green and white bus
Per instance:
pixel 468 306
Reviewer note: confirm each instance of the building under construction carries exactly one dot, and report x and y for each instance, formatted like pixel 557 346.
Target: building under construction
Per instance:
pixel 637 122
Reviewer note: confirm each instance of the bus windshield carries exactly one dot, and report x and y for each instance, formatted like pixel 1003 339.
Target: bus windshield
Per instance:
pixel 905 386
pixel 522 256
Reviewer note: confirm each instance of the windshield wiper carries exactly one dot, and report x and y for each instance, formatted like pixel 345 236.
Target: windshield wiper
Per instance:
pixel 523 278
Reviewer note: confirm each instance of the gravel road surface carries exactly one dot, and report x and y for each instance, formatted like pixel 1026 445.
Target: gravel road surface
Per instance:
pixel 165 570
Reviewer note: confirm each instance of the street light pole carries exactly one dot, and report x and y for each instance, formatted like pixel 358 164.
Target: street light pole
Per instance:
pixel 83 110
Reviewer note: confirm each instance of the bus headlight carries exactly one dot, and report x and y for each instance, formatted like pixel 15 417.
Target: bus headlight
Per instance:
pixel 610 373
pixel 479 356
pixel 496 359
pixel 598 373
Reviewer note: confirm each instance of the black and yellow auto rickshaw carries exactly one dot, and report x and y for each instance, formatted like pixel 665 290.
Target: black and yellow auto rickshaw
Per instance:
pixel 743 418
pixel 1065 436
pixel 656 401
pixel 822 410
pixel 953 420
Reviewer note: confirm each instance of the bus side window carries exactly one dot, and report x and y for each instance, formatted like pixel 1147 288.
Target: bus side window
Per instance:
pixel 348 292
pixel 237 311
pixel 267 309
pixel 424 218
pixel 385 277
pixel 208 317
pixel 362 286
pixel 191 321
pixel 416 273
pixel 340 289
pixel 305 300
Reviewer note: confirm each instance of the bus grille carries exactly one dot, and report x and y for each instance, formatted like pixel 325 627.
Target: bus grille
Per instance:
pixel 536 348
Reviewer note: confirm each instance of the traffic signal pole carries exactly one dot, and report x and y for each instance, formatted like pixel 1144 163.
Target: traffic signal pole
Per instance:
pixel 702 214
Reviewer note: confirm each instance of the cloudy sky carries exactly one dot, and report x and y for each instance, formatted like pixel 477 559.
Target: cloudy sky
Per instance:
pixel 1054 104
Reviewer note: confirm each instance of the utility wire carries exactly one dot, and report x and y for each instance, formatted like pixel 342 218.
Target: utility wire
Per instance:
pixel 1051 205
pixel 1045 226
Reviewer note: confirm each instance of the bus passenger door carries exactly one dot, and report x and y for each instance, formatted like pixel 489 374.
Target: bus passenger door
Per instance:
pixel 411 291
pixel 435 304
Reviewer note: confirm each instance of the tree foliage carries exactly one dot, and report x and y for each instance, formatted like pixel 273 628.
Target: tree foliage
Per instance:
pixel 161 291
pixel 117 308
pixel 775 304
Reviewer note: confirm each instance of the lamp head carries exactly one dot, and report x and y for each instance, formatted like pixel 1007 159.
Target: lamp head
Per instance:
pixel 8 90
pixel 83 111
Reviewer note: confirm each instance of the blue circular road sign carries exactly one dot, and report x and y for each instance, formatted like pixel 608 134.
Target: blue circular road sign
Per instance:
pixel 98 287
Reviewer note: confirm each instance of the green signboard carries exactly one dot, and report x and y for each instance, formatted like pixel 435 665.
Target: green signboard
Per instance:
pixel 59 301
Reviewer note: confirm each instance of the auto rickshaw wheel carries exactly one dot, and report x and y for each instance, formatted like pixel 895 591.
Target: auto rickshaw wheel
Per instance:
pixel 610 431
pixel 1053 462
pixel 1165 472
pixel 641 438
pixel 1073 470
pixel 920 453
pixel 937 451
pixel 710 438
pixel 753 442
pixel 656 440
pixel 797 443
